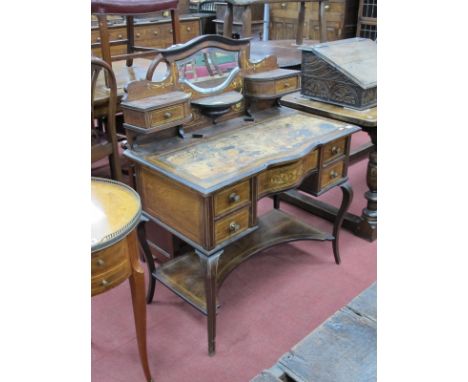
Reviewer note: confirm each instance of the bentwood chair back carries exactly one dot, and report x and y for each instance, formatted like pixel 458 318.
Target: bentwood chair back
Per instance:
pixel 103 136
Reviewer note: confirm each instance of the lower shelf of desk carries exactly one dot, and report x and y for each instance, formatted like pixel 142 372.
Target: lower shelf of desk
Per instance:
pixel 184 276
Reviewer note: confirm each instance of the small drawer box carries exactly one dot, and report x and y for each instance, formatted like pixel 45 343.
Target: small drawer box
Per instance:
pixel 334 149
pixel 332 174
pixel 232 197
pixel 271 84
pixel 156 113
pixel 231 225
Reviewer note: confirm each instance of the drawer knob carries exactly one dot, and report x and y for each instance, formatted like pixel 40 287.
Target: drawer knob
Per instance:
pixel 104 283
pixel 119 36
pixel 155 33
pixel 167 115
pixel 189 29
pixel 100 262
pixel 327 7
pixel 283 5
pixel 234 227
pixel 335 150
pixel 333 174
pixel 234 198
pixel 171 31
pixel 98 39
pixel 286 85
pixel 138 34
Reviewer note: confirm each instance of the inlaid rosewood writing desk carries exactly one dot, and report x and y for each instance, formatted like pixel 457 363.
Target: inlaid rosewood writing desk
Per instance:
pixel 202 162
pixel 206 192
pixel 365 225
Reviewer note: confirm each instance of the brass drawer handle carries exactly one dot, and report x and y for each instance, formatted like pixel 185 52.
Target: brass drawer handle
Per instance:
pixel 335 150
pixel 167 115
pixel 234 227
pixel 104 283
pixel 234 198
pixel 333 174
pixel 286 85
pixel 189 29
pixel 100 262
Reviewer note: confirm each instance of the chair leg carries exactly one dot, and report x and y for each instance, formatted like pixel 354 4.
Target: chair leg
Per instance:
pixel 175 26
pixel 130 39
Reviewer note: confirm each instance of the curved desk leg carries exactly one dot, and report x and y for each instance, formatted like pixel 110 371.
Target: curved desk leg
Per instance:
pixel 209 266
pixel 347 198
pixel 149 261
pixel 137 287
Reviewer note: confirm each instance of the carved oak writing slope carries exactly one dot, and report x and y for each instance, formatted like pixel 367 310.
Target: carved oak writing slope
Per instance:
pixel 202 180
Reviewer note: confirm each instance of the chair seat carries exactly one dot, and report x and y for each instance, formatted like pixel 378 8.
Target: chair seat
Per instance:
pixel 131 7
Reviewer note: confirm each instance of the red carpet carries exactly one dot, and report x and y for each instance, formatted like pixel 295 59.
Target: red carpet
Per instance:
pixel 268 304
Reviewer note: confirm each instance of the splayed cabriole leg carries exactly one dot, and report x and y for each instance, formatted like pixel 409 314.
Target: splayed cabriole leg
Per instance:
pixel 137 288
pixel 209 266
pixel 345 203
pixel 149 260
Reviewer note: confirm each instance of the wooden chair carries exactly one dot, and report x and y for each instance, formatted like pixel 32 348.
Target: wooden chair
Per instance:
pixel 104 141
pixel 129 9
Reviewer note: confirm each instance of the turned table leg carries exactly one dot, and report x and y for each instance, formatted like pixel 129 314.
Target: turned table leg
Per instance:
pixel 137 287
pixel 209 266
pixel 368 226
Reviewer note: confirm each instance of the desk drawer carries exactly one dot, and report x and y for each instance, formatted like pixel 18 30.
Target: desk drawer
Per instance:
pixel 231 198
pixel 331 174
pixel 189 30
pixel 108 258
pixel 334 149
pixel 231 225
pixel 110 279
pixel 167 114
pixel 286 176
pixel 286 85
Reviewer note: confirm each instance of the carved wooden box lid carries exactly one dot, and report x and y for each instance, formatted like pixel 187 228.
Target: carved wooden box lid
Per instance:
pixel 342 72
pixel 356 58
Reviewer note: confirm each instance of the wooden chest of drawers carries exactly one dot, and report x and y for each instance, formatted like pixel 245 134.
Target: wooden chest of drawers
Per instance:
pixel 155 34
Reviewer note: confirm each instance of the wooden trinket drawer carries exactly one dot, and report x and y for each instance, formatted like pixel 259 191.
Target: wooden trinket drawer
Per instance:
pixel 271 84
pixel 157 113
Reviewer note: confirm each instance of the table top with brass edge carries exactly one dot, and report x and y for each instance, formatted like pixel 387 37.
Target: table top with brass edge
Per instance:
pixel 115 211
pixel 365 118
pixel 207 165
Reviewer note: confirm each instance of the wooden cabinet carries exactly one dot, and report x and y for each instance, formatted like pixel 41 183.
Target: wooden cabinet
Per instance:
pixel 341 16
pixel 152 34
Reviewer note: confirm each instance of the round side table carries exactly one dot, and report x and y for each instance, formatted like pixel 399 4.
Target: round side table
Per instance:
pixel 115 213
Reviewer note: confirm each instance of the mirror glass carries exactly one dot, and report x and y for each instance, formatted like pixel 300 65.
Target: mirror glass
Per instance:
pixel 209 70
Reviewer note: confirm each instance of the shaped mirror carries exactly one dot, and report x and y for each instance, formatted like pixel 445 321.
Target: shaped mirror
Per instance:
pixel 209 70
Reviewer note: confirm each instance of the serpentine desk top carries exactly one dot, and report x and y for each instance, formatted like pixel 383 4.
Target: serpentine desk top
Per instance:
pixel 211 163
pixel 115 211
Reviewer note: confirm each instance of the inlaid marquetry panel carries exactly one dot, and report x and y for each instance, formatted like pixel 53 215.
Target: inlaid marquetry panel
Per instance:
pixel 286 176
